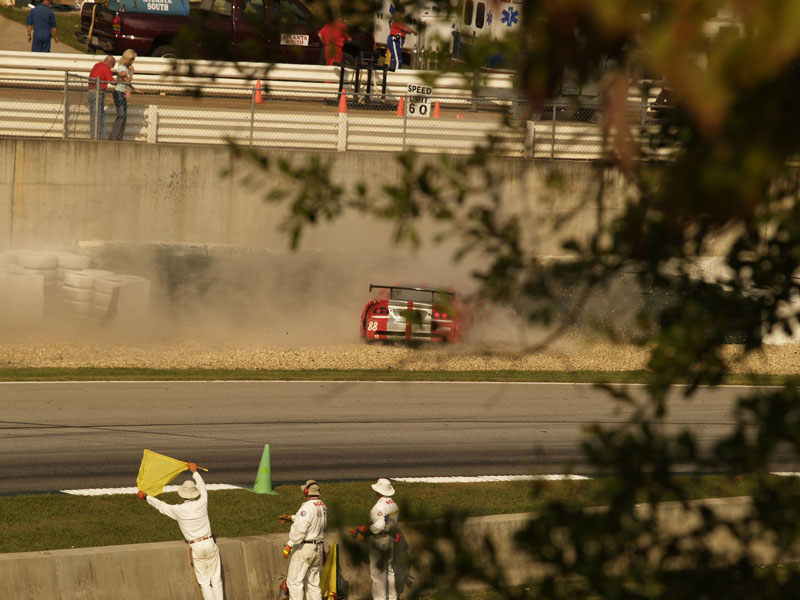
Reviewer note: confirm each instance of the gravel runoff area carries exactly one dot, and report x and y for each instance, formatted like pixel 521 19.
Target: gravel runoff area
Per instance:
pixel 193 354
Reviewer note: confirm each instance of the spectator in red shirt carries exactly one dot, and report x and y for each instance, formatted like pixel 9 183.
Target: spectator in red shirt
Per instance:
pixel 333 36
pixel 396 39
pixel 97 98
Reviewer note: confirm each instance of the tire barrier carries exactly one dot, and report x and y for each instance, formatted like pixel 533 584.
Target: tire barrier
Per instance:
pixel 47 287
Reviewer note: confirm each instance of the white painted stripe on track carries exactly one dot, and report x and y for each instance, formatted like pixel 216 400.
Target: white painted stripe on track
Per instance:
pixel 443 479
pixel 342 381
pixel 352 381
pixel 446 479
pixel 490 478
pixel 133 490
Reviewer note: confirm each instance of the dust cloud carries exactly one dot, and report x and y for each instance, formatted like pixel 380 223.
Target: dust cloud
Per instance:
pixel 262 296
pixel 217 294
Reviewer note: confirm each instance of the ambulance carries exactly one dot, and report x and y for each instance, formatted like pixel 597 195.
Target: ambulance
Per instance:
pixel 491 19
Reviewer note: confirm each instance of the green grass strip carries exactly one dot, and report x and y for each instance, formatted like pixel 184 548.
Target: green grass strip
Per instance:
pixel 139 374
pixel 52 521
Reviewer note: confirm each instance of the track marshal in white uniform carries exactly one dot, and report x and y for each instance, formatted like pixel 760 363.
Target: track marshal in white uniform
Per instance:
pixel 306 538
pixel 192 518
pixel 383 529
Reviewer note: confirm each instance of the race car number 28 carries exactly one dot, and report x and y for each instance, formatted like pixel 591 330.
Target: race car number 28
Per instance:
pixel 372 326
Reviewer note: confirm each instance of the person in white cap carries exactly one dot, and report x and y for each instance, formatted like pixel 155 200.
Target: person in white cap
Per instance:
pixel 383 527
pixel 192 518
pixel 306 538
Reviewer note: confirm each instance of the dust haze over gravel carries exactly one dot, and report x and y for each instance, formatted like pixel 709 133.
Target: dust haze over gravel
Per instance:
pixel 208 297
pixel 250 309
pixel 268 308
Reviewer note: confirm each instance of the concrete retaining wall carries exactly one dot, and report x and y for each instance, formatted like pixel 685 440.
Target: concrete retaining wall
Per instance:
pixel 54 193
pixel 252 565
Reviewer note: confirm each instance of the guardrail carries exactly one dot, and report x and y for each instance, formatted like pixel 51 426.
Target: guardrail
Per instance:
pixel 167 113
pixel 276 79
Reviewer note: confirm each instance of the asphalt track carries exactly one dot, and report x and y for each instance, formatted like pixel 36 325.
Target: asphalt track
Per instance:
pixel 85 435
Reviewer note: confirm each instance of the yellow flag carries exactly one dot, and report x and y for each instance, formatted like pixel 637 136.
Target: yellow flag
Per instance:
pixel 327 582
pixel 156 471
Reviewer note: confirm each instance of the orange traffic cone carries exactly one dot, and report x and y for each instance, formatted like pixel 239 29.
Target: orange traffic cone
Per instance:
pixel 437 111
pixel 401 107
pixel 259 98
pixel 342 102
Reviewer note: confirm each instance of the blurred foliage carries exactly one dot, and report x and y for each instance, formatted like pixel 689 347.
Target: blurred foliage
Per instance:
pixel 727 188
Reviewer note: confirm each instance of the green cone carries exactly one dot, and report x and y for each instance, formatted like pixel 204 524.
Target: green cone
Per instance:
pixel 263 484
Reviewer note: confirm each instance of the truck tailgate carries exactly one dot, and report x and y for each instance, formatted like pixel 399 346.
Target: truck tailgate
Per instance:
pixel 103 18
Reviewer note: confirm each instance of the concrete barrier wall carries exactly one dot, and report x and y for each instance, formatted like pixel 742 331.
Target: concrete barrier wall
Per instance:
pixel 54 193
pixel 252 565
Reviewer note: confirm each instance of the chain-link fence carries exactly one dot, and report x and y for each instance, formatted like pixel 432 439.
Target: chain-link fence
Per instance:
pixel 354 114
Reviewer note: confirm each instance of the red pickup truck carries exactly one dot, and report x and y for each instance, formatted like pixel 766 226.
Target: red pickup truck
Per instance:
pixel 282 31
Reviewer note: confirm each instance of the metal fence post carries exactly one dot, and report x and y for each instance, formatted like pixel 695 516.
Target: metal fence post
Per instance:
pixel 530 139
pixel 94 117
pixel 66 104
pixel 369 81
pixel 553 135
pixel 252 114
pixel 643 111
pixel 341 145
pixel 405 120
pixel 99 105
pixel 341 77
pixel 152 123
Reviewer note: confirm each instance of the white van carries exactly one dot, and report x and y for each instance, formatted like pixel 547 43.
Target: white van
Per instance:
pixel 492 19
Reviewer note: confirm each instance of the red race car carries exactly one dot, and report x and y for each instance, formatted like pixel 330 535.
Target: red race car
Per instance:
pixel 413 313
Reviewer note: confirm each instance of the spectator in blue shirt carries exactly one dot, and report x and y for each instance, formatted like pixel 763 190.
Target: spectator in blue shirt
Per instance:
pixel 43 23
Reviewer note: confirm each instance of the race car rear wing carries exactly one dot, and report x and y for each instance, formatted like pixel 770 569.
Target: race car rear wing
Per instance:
pixel 373 286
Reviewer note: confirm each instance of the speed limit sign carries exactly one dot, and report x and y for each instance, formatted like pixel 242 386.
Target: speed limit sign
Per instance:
pixel 419 101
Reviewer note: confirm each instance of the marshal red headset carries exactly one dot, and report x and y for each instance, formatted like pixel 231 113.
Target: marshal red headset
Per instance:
pixel 308 484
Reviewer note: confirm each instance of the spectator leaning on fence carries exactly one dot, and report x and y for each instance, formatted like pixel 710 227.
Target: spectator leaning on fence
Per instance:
pixel 122 91
pixel 41 26
pixel 97 98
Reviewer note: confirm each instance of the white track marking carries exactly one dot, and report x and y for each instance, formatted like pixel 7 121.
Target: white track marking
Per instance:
pixel 444 479
pixel 133 490
pixel 352 381
pixel 453 479
pixel 489 478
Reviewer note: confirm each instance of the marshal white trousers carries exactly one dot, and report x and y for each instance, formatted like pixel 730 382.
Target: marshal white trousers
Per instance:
pixel 208 569
pixel 305 567
pixel 381 567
